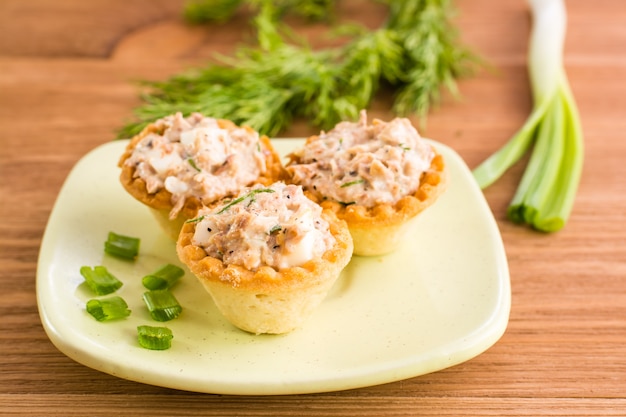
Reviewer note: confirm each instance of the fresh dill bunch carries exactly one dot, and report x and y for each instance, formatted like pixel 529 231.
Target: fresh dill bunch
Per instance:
pixel 265 87
pixel 433 56
pixel 313 9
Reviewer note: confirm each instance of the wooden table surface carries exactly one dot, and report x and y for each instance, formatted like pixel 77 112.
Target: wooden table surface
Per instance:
pixel 67 69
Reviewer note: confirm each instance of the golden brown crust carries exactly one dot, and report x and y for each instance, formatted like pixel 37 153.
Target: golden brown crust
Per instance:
pixel 380 229
pixel 268 300
pixel 267 279
pixel 162 199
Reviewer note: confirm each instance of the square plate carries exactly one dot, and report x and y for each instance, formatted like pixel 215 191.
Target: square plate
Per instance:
pixel 441 299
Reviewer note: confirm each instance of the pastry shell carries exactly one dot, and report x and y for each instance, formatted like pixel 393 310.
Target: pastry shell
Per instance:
pixel 160 202
pixel 268 300
pixel 380 229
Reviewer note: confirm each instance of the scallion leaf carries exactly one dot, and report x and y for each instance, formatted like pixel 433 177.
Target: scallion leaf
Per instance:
pixel 100 280
pixel 164 277
pixel 162 305
pixel 107 309
pixel 121 246
pixel 154 338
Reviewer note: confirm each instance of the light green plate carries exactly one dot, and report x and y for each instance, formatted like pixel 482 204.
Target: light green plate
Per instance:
pixel 441 299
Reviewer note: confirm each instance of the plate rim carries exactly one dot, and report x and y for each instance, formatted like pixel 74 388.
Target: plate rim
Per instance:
pixel 405 367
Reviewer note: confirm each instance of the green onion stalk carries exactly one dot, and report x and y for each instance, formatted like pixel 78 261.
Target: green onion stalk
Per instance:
pixel 546 192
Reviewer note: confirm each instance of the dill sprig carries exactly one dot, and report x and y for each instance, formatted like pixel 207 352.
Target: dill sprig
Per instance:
pixel 433 58
pixel 266 86
pixel 251 195
pixel 205 11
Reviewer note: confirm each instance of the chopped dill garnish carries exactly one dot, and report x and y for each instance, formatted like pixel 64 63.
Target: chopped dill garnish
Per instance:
pixel 416 52
pixel 193 164
pixel 195 220
pixel 355 182
pixel 204 11
pixel 250 195
pixel 275 229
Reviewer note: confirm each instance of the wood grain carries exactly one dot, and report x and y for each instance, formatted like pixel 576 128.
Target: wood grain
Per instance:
pixel 67 72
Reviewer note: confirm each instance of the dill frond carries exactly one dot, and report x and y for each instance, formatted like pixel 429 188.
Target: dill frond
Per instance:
pixel 416 51
pixel 205 11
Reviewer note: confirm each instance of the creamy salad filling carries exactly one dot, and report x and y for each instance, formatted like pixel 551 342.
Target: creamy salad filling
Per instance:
pixel 194 156
pixel 364 164
pixel 277 226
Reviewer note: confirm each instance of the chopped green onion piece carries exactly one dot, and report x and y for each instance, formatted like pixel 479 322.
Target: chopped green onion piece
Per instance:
pixel 100 280
pixel 122 246
pixel 106 309
pixel 154 338
pixel 165 277
pixel 162 305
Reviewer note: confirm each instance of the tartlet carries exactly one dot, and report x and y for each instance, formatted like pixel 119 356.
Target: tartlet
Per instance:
pixel 268 257
pixel 178 164
pixel 377 177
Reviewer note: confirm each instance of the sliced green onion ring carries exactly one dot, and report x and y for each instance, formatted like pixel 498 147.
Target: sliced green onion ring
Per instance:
pixel 164 277
pixel 162 305
pixel 107 309
pixel 100 280
pixel 121 246
pixel 154 338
